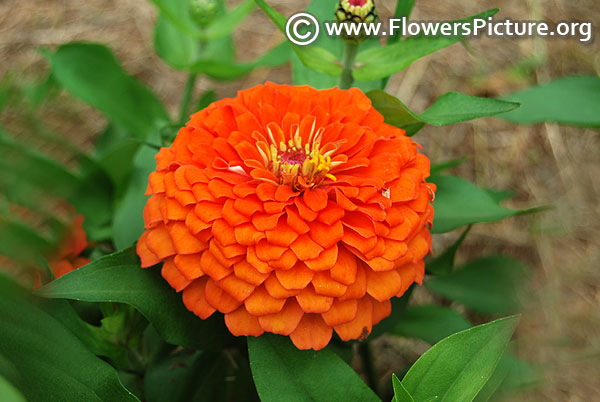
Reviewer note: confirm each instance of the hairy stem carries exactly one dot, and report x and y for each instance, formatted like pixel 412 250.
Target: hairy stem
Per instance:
pixel 187 97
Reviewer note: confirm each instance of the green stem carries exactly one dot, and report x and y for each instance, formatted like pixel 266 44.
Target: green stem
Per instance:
pixel 346 80
pixel 187 97
pixel 364 349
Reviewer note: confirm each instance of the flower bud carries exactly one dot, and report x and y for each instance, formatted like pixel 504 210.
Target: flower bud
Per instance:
pixel 202 12
pixel 355 12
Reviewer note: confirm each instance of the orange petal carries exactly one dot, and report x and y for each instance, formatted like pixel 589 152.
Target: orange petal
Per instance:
pixel 296 278
pixel 341 312
pixel 247 235
pixel 381 310
pixel 236 287
pixel 223 232
pixel 159 242
pixel 344 270
pixel 263 222
pixel 326 235
pixel 241 323
pixel 362 244
pixel 195 224
pixel 325 261
pixel 326 286
pixel 315 199
pixel 248 206
pixel 360 327
pixel 305 248
pixel 269 252
pixel 212 267
pixel 331 214
pixel 284 322
pixel 383 285
pixel 189 265
pixel 311 333
pixel 232 216
pixel 184 241
pixel 394 249
pixel 287 261
pixel 359 287
pixel 311 302
pixel 219 299
pixel 276 290
pixel 295 221
pixel 305 212
pixel 246 272
pixel 148 257
pixel 260 265
pixel 261 303
pixel 172 275
pixel 195 300
pixel 208 211
pixel 379 264
pixel 282 234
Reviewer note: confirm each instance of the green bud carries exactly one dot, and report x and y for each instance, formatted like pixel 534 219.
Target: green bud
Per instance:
pixel 202 12
pixel 354 12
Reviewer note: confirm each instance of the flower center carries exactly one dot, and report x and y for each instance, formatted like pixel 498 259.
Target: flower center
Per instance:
pixel 300 165
pixel 360 8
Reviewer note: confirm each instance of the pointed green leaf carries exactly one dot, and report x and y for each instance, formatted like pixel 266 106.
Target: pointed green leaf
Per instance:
pixel 449 109
pixel 175 47
pixel 382 62
pixel 456 368
pixel 119 278
pixel 571 100
pixel 283 373
pixel 52 364
pixel 489 285
pixel 92 73
pixel 400 393
pixel 444 263
pixel 458 203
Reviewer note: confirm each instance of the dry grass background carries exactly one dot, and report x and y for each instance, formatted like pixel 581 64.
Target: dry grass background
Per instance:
pixel 543 164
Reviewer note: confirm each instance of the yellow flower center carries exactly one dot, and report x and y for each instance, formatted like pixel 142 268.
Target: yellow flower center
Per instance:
pixel 296 164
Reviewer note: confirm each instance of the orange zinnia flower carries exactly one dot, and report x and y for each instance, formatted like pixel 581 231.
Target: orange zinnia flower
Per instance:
pixel 67 257
pixel 292 211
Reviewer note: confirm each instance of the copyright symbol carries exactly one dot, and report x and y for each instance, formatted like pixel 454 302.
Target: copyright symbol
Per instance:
pixel 294 26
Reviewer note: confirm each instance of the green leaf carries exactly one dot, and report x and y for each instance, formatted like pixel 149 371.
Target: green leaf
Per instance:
pixel 455 107
pixel 52 364
pixel 458 203
pixel 94 338
pixel 456 368
pixel 119 278
pixel 571 100
pixel 185 377
pixel 489 285
pixel 382 62
pixel 23 243
pixel 226 23
pixel 283 373
pixel 8 393
pixel 128 222
pixel 444 263
pixel 449 109
pixel 430 323
pixel 315 58
pixel 92 73
pixel 400 393
pixel 403 9
pixel 177 48
pixel 437 168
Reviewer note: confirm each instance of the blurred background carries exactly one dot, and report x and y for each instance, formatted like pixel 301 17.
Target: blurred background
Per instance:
pixel 543 164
